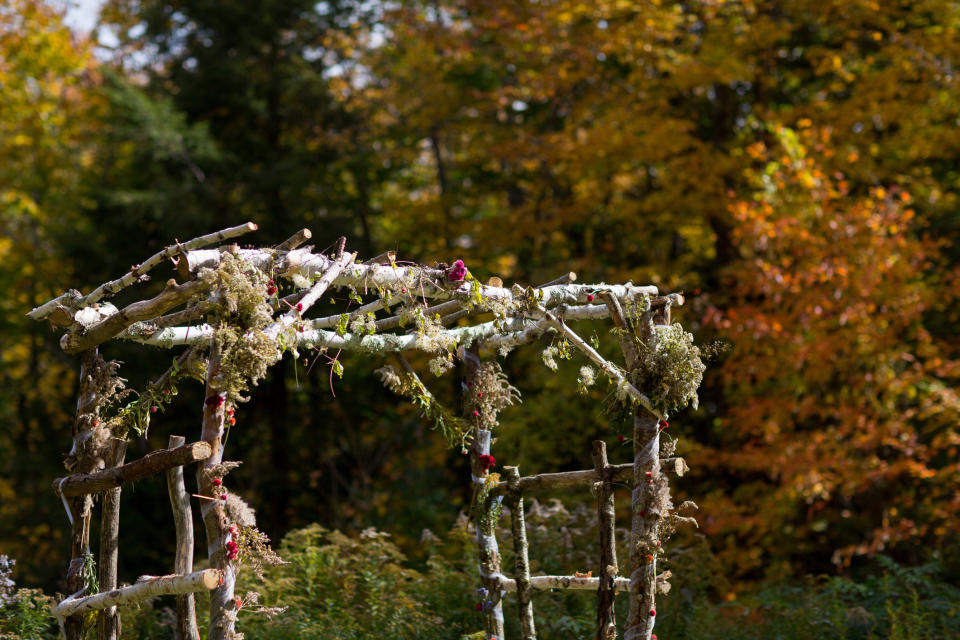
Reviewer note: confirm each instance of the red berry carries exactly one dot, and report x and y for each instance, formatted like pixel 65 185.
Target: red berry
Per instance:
pixel 653 612
pixel 649 474
pixel 653 636
pixel 239 603
pixel 478 607
pixel 299 307
pixel 300 328
pixel 271 290
pixel 589 297
pixel 233 421
pixel 620 438
pixel 664 424
pixel 649 557
pixel 217 482
pixel 96 422
pixel 223 496
pixel 230 411
pixel 233 529
pixel 231 545
pixel 480 395
pixel 154 409
pixel 642 512
pixel 403 290
pixel 271 282
pixel 658 543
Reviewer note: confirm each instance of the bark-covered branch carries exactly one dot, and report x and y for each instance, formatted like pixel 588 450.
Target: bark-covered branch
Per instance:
pixel 294 315
pixel 173 295
pixel 606 523
pixel 520 551
pixel 487 335
pixel 608 368
pixel 153 586
pixel 186 626
pixel 585 478
pixel 564 582
pixel 151 464
pixel 73 301
pixel 419 280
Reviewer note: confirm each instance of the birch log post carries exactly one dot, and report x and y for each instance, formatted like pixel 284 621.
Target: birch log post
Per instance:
pixel 108 622
pixel 520 551
pixel 186 627
pixel 487 549
pixel 606 593
pixel 79 508
pixel 646 503
pixel 223 608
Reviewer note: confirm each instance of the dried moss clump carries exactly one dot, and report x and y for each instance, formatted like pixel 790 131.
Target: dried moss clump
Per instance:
pixel 670 369
pixel 491 393
pixel 242 315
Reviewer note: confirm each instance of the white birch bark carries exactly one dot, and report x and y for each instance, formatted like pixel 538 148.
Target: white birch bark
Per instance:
pixel 153 586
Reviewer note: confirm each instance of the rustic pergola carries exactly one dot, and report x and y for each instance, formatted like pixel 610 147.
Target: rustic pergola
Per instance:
pixel 227 312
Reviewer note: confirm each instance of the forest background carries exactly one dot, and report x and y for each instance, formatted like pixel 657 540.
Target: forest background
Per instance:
pixel 792 167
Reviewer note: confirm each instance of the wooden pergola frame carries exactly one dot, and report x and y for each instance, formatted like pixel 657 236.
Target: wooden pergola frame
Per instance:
pixel 444 300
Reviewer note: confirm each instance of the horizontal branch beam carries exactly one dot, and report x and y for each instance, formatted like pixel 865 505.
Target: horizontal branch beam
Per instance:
pixel 151 464
pixel 488 335
pixel 585 478
pixel 564 582
pixel 418 280
pixel 153 586
pixel 172 296
pixel 73 301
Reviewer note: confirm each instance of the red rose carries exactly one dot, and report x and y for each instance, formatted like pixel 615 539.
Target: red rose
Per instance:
pixel 487 461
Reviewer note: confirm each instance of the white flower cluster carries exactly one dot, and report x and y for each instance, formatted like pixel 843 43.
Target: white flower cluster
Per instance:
pixel 549 357
pixel 588 376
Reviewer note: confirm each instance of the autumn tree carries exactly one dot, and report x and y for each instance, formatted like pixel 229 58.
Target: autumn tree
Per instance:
pixel 840 436
pixel 48 117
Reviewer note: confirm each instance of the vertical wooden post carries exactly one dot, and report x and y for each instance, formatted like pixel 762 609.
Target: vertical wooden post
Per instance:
pixel 519 529
pixel 641 615
pixel 222 605
pixel 186 627
pixel 487 549
pixel 80 507
pixel 606 622
pixel 108 621
pixel 643 561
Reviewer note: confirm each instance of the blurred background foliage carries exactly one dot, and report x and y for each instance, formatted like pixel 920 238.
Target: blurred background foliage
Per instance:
pixel 791 167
